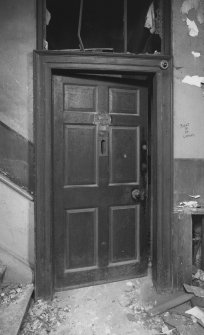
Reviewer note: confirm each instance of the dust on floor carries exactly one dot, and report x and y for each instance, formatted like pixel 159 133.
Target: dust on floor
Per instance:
pixel 111 309
pixel 120 308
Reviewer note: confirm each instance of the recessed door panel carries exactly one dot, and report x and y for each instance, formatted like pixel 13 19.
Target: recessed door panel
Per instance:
pixel 124 157
pixel 124 233
pixel 124 101
pixel 99 127
pixel 81 238
pixel 79 98
pixel 80 150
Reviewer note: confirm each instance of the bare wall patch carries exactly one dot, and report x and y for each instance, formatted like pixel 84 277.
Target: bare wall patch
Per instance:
pixel 192 27
pixel 197 5
pixel 196 54
pixel 193 80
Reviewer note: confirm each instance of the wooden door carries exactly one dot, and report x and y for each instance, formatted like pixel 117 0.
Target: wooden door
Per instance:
pixel 99 179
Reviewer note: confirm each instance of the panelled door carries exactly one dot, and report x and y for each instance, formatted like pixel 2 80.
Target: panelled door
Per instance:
pixel 99 179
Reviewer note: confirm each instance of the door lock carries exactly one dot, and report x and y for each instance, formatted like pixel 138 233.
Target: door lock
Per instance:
pixel 138 195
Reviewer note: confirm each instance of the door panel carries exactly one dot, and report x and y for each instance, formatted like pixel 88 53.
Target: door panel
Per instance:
pixel 124 151
pixel 124 101
pixel 80 167
pixel 79 98
pixel 82 225
pixel 124 233
pixel 99 127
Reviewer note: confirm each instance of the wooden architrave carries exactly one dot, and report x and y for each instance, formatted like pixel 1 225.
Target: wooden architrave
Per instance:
pixel 162 172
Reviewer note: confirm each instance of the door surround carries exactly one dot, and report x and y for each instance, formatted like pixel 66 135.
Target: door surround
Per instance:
pixel 162 152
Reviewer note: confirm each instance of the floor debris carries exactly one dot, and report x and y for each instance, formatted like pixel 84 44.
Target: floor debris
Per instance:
pixel 197 312
pixel 190 204
pixel 44 317
pixel 13 306
pixel 197 291
pixel 9 293
pixel 199 275
pixel 124 308
pixel 174 301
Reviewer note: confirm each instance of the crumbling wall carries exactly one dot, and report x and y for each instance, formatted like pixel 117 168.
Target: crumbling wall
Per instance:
pixel 188 54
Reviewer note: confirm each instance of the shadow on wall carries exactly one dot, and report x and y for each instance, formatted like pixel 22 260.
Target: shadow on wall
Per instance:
pixel 16 158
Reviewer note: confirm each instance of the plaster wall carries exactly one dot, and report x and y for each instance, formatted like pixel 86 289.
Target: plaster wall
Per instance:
pixel 17 228
pixel 188 103
pixel 17 40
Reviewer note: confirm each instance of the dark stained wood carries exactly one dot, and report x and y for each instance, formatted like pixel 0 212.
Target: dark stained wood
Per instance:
pixel 154 86
pixel 166 25
pixel 43 191
pixel 45 64
pixel 98 226
pixel 171 302
pixel 41 23
pixel 182 249
pixel 182 234
pixel 101 61
pixel 162 163
pixel 125 25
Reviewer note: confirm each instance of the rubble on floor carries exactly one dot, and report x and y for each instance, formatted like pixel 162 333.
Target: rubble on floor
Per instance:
pixel 167 314
pixel 10 293
pixel 44 317
pixel 130 307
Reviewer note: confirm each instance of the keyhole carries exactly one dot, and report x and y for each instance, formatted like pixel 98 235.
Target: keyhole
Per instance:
pixel 103 143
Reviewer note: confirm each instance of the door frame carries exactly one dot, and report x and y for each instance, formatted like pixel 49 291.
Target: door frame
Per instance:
pixel 160 68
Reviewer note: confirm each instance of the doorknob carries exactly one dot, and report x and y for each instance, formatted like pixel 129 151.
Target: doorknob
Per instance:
pixel 138 195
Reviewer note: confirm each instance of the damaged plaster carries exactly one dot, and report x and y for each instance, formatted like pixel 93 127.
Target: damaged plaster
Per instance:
pixel 192 27
pixel 188 5
pixel 197 5
pixel 193 80
pixel 195 54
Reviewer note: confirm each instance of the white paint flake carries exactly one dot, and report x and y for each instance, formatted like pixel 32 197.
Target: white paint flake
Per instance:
pixel 195 54
pixel 192 27
pixel 193 80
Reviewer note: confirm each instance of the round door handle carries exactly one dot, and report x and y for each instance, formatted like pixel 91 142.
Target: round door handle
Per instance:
pixel 138 195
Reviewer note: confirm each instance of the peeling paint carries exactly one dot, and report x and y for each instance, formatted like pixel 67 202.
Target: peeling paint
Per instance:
pixel 198 5
pixel 195 54
pixel 188 5
pixel 193 80
pixel 192 27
